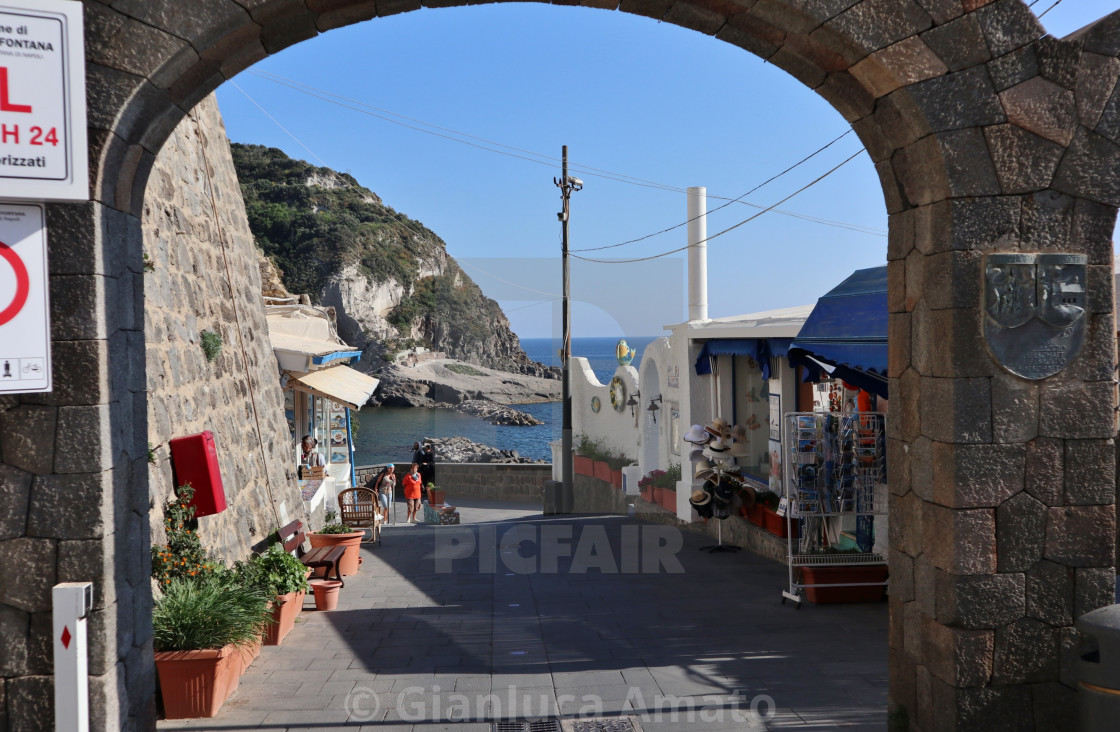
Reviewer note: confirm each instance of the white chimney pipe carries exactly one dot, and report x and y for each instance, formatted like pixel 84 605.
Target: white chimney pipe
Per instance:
pixel 697 253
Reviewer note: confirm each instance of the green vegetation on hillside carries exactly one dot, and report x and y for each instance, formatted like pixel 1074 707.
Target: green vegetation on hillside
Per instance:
pixel 312 222
pixel 311 231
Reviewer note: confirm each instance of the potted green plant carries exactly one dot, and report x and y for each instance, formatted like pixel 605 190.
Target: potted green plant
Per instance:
pixel 284 580
pixel 199 624
pixel 334 534
pixel 436 496
pixel 586 452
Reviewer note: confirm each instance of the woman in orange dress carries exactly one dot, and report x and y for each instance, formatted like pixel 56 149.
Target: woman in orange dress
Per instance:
pixel 412 485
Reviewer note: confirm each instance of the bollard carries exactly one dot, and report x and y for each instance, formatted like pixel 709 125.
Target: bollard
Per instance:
pixel 71 604
pixel 1098 670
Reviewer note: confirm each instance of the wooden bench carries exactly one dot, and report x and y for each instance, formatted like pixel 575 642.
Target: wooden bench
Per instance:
pixel 326 557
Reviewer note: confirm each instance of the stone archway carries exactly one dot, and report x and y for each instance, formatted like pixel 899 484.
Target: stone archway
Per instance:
pixel 987 136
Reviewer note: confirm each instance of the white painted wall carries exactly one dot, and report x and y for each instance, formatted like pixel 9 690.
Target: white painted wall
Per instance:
pixel 617 430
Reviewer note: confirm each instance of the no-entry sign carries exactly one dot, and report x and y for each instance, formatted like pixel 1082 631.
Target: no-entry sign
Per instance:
pixel 42 101
pixel 25 324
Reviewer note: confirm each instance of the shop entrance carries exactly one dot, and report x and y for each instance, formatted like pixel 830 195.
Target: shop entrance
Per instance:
pixel 989 138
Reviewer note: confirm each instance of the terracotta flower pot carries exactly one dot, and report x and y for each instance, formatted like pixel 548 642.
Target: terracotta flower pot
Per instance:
pixel 755 515
pixel 248 654
pixel 844 575
pixel 284 612
pixel 583 465
pixel 602 471
pixel 197 683
pixel 776 524
pixel 352 541
pixel 616 478
pixel 326 594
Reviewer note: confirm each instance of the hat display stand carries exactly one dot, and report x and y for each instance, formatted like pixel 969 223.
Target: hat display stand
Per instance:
pixel 720 467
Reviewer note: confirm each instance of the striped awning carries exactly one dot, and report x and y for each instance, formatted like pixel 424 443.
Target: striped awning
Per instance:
pixel 340 383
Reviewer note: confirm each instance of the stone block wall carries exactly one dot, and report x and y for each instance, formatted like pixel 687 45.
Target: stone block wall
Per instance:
pixel 203 275
pixel 492 481
pixel 505 482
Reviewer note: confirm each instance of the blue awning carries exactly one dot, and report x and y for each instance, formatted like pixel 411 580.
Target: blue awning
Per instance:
pixel 846 334
pixel 760 349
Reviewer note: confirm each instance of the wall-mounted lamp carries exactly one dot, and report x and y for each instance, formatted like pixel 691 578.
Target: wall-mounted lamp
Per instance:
pixel 633 401
pixel 653 408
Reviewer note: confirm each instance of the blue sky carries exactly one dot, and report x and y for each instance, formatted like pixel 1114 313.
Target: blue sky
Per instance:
pixel 628 95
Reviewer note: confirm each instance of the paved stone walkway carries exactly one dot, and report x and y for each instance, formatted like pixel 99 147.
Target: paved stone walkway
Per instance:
pixel 423 642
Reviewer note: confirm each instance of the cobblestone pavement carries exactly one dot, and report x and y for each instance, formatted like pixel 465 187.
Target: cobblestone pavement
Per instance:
pixel 585 616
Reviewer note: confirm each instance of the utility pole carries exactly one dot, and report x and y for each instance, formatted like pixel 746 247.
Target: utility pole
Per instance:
pixel 567 185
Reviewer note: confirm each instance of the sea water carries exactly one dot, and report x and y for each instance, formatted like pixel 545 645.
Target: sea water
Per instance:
pixel 386 434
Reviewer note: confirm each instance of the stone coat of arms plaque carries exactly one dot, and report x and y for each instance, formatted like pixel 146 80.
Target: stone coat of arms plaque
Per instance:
pixel 1034 311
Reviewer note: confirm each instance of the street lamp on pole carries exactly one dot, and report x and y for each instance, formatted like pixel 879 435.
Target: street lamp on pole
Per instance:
pixel 567 185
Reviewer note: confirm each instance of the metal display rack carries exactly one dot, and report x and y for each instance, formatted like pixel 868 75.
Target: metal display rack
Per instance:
pixel 834 470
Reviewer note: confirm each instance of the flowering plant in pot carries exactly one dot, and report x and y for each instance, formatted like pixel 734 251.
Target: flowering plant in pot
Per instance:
pixel 335 533
pixel 182 555
pixel 199 625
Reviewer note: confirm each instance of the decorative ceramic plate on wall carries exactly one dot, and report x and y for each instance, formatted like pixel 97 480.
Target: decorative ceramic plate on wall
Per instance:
pixel 596 405
pixel 618 394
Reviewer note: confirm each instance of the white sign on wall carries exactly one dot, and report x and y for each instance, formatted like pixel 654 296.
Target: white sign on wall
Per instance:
pixel 42 101
pixel 25 323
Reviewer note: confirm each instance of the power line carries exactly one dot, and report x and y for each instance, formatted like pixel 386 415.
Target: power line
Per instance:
pixel 725 205
pixel 1044 12
pixel 507 282
pixel 547 160
pixel 728 229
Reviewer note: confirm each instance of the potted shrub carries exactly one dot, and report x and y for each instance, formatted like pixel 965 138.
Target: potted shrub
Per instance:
pixel 436 496
pixel 588 453
pixel 335 533
pixel 662 487
pixel 199 623
pixel 284 579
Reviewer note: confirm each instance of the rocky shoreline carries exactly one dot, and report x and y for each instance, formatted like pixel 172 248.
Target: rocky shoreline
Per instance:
pixel 499 414
pixel 462 450
pixel 445 382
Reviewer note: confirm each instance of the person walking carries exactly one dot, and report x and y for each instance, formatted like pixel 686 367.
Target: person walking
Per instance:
pixel 412 487
pixel 384 485
pixel 418 458
pixel 427 463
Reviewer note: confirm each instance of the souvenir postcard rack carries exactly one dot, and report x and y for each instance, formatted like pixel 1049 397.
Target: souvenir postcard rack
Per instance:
pixel 835 484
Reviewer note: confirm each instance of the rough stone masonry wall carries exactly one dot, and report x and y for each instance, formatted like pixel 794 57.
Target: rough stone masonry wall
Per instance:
pixel 204 276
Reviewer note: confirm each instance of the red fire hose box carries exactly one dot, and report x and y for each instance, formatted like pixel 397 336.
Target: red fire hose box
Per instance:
pixel 194 459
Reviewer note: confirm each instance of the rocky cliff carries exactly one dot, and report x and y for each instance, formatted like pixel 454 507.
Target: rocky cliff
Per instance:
pixel 389 277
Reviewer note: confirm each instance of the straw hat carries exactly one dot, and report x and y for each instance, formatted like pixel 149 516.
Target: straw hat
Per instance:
pixel 705 474
pixel 747 496
pixel 739 433
pixel 700 497
pixel 696 454
pixel 702 502
pixel 696 435
pixel 718 444
pixel 719 428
